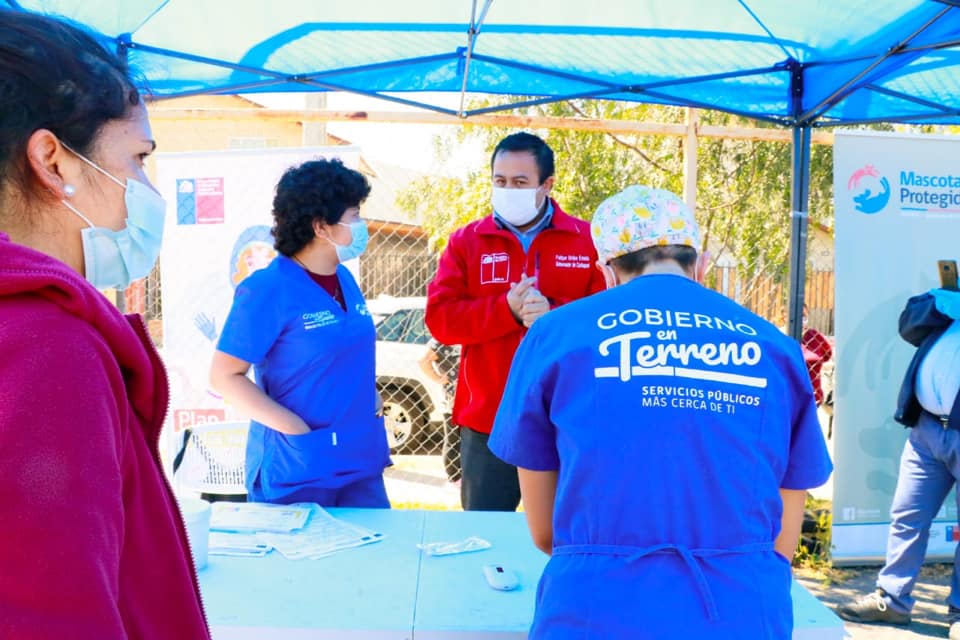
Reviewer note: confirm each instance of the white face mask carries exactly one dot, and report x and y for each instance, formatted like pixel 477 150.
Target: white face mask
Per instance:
pixel 112 259
pixel 516 206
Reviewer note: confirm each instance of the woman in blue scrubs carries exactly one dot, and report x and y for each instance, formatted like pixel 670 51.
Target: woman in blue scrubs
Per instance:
pixel 316 433
pixel 665 437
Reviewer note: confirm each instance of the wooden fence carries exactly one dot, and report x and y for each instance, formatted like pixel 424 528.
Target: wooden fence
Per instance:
pixel 767 296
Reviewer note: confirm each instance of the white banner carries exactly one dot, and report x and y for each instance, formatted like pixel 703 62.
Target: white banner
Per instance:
pixel 217 232
pixel 897 203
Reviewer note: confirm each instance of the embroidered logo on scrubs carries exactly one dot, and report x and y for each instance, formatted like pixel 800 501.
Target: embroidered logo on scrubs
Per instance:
pixel 494 268
pixel 318 319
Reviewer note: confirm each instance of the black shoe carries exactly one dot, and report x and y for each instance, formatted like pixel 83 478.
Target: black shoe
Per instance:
pixel 873 608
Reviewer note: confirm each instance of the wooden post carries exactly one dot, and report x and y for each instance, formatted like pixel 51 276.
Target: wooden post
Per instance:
pixel 692 121
pixel 315 131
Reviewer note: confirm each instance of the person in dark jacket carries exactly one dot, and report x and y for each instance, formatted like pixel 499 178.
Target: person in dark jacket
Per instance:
pixel 930 464
pixel 441 363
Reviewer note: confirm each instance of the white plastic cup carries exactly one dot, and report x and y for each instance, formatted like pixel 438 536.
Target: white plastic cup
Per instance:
pixel 196 517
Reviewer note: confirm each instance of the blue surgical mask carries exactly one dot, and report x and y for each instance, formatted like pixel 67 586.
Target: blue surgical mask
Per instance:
pixel 113 259
pixel 358 243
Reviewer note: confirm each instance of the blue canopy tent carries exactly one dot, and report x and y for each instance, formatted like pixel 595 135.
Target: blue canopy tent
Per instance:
pixel 804 64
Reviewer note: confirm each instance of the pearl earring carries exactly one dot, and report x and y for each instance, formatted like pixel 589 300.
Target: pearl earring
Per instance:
pixel 69 190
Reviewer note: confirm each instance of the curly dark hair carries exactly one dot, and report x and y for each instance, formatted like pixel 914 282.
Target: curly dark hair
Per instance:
pixel 315 190
pixel 55 75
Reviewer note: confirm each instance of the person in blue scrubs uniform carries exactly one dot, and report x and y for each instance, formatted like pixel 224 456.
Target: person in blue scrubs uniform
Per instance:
pixel 317 432
pixel 665 438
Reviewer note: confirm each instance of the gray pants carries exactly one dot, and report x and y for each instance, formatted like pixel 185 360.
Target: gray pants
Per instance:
pixel 929 467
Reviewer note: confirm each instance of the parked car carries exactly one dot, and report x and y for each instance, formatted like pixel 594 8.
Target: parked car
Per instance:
pixel 413 404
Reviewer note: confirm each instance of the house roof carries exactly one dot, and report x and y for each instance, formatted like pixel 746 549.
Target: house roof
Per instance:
pixel 386 182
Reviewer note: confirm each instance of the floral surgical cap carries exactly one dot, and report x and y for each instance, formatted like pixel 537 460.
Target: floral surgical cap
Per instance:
pixel 639 217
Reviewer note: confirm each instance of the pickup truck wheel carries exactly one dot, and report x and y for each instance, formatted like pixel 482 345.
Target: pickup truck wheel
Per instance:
pixel 403 420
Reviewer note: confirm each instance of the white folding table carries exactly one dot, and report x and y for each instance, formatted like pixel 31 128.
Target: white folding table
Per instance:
pixel 392 591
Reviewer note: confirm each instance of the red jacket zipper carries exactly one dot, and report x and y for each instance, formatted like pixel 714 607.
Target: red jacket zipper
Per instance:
pixel 161 409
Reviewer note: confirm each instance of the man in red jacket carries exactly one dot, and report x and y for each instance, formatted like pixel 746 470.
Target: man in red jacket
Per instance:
pixel 497 276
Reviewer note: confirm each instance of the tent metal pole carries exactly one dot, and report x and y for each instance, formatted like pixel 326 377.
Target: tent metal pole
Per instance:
pixel 940 117
pixel 471 42
pixel 593 93
pixel 123 47
pixel 854 83
pixel 600 82
pixel 942 108
pixel 799 220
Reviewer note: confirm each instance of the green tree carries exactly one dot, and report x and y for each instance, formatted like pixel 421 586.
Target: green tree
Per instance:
pixel 590 166
pixel 743 199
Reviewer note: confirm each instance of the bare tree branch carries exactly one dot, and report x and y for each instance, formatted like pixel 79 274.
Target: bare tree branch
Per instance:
pixel 623 143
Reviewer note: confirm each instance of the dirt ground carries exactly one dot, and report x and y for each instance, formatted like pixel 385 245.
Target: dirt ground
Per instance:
pixel 839 586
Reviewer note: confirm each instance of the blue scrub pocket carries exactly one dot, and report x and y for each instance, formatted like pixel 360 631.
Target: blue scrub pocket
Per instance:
pixel 324 458
pixel 293 462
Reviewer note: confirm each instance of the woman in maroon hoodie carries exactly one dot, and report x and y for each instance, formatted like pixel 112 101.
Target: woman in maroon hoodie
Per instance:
pixel 91 542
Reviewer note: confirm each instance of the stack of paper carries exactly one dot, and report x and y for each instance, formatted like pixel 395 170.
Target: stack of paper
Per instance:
pixel 298 531
pixel 258 516
pixel 224 543
pixel 322 536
